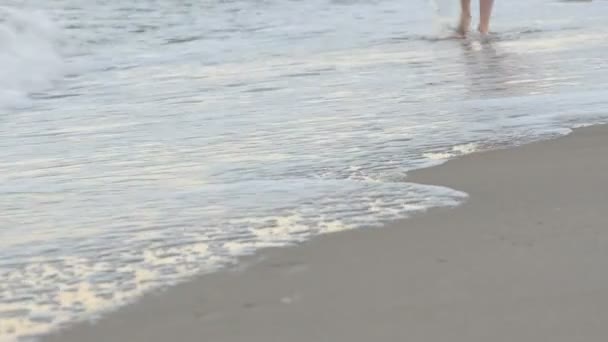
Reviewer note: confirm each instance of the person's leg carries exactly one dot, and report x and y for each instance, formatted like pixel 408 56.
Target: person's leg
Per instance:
pixel 485 12
pixel 465 16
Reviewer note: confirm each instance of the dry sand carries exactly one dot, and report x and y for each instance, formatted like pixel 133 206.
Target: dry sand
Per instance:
pixel 525 259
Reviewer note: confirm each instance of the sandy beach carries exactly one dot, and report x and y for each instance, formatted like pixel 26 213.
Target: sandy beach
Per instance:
pixel 524 259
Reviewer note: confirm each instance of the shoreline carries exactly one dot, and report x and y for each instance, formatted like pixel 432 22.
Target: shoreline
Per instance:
pixel 521 259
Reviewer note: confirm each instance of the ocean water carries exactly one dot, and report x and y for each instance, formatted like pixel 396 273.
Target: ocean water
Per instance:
pixel 147 141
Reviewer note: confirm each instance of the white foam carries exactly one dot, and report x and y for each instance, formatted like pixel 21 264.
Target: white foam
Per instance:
pixel 90 285
pixel 29 55
pixel 455 151
pixel 170 160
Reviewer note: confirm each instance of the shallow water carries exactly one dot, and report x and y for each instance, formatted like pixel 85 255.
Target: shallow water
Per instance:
pixel 142 143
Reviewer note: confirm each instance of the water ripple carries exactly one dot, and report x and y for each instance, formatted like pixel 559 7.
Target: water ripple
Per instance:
pixel 188 135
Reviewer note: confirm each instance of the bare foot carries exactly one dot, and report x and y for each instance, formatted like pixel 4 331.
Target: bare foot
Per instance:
pixel 464 24
pixel 484 31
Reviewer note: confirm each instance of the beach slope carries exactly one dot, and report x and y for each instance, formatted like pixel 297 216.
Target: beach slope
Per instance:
pixel 524 259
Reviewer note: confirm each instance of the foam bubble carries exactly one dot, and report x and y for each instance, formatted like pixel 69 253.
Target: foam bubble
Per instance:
pixel 90 277
pixel 455 151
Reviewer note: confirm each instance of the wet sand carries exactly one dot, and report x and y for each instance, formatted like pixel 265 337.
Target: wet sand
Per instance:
pixel 524 259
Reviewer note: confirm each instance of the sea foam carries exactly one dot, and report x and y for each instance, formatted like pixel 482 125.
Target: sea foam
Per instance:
pixel 29 55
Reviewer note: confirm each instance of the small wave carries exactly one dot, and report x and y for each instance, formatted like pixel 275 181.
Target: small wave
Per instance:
pixel 181 40
pixel 427 38
pixel 97 274
pixel 29 55
pixel 518 33
pixel 455 151
pixel 448 33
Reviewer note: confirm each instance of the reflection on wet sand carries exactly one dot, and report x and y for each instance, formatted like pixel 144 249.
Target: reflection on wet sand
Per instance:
pixel 492 72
